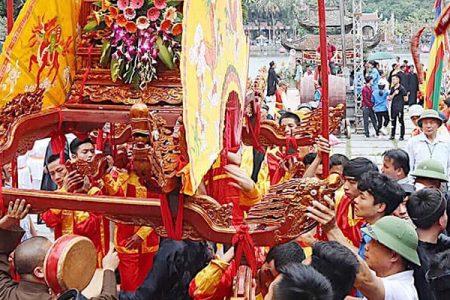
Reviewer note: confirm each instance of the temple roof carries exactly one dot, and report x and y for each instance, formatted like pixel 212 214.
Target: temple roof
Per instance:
pixel 332 14
pixel 311 42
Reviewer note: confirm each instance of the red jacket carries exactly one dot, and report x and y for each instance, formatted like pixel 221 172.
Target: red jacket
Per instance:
pixel 367 97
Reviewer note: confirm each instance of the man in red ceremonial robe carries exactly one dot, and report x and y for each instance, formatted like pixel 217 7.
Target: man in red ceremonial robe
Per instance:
pixel 346 220
pixel 75 222
pixel 281 96
pixel 135 245
pixel 225 181
pixel 84 149
pixel 276 163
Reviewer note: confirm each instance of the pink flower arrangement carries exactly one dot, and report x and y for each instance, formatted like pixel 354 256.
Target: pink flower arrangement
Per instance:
pixel 129 13
pixel 134 4
pixel 142 23
pixel 153 14
pixel 170 14
pixel 143 32
pixel 160 4
pixel 123 4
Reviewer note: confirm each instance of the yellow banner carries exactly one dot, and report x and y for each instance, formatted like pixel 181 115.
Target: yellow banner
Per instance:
pixel 214 64
pixel 40 51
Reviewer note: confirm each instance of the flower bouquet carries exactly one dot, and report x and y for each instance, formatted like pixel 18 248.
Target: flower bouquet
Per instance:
pixel 142 31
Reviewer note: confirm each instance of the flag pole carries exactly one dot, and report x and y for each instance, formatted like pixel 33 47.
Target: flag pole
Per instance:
pixel 324 78
pixel 9 15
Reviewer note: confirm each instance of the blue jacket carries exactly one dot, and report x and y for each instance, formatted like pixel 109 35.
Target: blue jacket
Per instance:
pixel 376 77
pixel 380 102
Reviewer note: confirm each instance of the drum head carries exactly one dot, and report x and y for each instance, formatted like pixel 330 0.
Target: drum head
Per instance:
pixel 70 263
pixel 94 289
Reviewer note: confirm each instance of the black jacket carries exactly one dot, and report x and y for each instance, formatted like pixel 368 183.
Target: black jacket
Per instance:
pixel 175 264
pixel 272 81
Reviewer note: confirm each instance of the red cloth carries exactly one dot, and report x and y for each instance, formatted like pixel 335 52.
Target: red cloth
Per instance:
pixel 367 97
pixel 351 228
pixel 273 164
pixel 218 187
pixel 65 222
pixel 217 182
pixel 331 49
pixel 133 269
pixel 134 264
pixel 279 99
pixel 276 172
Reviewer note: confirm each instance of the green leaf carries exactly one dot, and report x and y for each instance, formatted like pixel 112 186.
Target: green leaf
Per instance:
pixel 173 2
pixel 115 69
pixel 129 73
pixel 164 54
pixel 106 54
pixel 90 26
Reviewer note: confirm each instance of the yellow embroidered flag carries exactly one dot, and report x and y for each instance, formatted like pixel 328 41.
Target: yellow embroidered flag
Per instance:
pixel 39 53
pixel 214 64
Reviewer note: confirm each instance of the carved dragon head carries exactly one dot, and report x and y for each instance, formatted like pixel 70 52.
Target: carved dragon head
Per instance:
pixel 154 150
pixel 285 205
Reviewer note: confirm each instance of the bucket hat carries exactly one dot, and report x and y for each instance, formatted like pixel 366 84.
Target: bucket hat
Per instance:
pixel 396 234
pixel 430 168
pixel 429 114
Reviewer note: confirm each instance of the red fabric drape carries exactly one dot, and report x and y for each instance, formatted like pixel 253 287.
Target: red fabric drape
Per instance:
pixel 174 232
pixel 255 128
pixel 100 142
pixel 58 139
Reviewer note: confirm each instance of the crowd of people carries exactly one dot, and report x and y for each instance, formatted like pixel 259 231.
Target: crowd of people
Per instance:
pixel 385 96
pixel 382 236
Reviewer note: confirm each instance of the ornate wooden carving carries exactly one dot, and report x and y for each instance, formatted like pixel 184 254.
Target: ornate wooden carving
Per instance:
pixel 22 105
pixel 278 218
pixel 155 152
pixel 127 95
pixel 285 205
pixel 272 134
pixel 312 122
pixel 94 169
pixel 23 131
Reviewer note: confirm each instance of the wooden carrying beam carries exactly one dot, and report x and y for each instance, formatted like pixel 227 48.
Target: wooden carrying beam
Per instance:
pixel 84 118
pixel 278 218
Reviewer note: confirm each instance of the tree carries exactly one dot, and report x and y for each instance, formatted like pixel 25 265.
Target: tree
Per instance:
pixel 402 9
pixel 270 8
pixel 18 4
pixel 2 28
